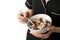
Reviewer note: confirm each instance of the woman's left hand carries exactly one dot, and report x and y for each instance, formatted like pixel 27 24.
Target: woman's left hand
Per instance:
pixel 44 36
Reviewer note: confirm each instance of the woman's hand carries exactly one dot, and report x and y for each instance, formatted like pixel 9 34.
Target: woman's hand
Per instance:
pixel 44 36
pixel 23 17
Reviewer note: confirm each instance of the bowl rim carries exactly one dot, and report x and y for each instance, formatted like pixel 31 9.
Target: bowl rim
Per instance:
pixel 37 15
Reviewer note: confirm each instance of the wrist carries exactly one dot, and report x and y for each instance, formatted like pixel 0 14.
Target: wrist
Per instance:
pixel 57 29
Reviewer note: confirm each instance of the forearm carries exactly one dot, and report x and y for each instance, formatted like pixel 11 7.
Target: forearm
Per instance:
pixel 57 29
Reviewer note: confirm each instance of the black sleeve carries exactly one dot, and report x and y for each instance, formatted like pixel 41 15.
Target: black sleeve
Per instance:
pixel 28 4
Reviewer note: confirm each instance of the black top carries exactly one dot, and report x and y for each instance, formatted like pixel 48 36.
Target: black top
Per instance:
pixel 52 9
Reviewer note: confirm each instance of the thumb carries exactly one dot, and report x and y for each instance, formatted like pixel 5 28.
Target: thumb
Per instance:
pixel 50 28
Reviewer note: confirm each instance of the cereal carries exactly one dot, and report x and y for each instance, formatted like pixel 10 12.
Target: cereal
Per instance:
pixel 40 23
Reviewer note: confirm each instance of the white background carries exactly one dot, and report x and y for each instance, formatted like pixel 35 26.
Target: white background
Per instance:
pixel 10 27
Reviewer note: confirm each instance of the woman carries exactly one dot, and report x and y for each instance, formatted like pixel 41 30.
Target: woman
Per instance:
pixel 49 7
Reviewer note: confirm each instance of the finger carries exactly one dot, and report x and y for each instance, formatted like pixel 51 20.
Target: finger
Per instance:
pixel 49 33
pixel 45 36
pixel 37 34
pixel 20 15
pixel 22 21
pixel 50 28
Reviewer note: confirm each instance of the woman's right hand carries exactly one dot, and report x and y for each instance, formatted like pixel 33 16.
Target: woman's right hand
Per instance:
pixel 23 17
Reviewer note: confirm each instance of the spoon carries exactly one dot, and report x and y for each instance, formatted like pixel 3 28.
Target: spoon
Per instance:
pixel 35 27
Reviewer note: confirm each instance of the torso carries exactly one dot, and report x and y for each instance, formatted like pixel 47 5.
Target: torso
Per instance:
pixel 53 9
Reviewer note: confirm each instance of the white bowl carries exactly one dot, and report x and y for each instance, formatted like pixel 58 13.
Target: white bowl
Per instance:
pixel 45 17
